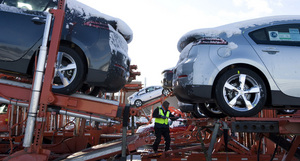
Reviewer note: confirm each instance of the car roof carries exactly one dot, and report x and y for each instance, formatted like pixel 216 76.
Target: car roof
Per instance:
pixel 235 28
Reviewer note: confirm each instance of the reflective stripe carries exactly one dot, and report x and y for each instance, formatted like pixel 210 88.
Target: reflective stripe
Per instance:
pixel 161 120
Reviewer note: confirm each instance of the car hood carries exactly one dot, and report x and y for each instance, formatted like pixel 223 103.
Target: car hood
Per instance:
pixel 230 29
pixel 86 12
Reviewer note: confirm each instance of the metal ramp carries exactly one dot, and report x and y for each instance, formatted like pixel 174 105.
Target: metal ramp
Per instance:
pixel 102 151
pixel 18 93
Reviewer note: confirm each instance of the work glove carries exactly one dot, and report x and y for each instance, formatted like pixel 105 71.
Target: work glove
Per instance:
pixel 163 117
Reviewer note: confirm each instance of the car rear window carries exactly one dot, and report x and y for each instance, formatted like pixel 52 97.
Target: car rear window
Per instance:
pixel 31 5
pixel 288 34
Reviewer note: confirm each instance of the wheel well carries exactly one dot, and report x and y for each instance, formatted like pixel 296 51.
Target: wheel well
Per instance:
pixel 77 49
pixel 256 70
pixel 64 43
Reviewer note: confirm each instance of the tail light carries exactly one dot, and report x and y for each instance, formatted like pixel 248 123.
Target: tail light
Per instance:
pixel 182 76
pixel 96 24
pixel 120 66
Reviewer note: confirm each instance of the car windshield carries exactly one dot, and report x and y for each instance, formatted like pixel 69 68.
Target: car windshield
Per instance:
pixel 142 92
pixel 32 5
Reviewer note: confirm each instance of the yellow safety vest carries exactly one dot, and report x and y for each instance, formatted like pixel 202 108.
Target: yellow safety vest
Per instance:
pixel 161 120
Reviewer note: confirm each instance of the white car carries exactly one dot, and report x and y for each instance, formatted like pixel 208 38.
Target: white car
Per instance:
pixel 145 95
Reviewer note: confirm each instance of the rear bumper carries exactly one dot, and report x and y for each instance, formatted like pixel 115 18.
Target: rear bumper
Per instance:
pixel 114 76
pixel 191 93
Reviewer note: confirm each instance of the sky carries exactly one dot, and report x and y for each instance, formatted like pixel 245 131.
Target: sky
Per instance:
pixel 157 25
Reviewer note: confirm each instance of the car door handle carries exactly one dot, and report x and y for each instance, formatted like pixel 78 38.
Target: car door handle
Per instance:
pixel 271 50
pixel 38 20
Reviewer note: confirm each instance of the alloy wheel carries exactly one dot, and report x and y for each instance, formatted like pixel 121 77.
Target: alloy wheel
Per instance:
pixel 65 70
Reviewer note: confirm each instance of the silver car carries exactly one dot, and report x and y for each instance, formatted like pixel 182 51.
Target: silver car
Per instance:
pixel 241 67
pixel 146 94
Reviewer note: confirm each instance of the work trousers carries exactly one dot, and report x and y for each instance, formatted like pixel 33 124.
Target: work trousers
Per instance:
pixel 165 132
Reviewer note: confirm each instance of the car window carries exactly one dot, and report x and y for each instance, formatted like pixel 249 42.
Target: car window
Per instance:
pixel 278 35
pixel 141 92
pixel 31 5
pixel 150 89
pixel 156 88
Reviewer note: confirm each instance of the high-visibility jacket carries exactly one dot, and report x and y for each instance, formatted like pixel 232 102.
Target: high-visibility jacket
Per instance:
pixel 161 120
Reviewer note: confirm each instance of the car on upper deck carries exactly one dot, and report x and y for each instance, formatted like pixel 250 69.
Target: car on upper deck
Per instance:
pixel 93 49
pixel 242 67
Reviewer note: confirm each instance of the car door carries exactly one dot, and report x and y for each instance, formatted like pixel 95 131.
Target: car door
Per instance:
pixel 150 93
pixel 21 27
pixel 141 95
pixel 279 49
pixel 157 92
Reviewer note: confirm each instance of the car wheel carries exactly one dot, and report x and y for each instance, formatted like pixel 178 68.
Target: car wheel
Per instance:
pixel 211 110
pixel 69 71
pixel 165 92
pixel 287 111
pixel 90 90
pixel 138 103
pixel 197 112
pixel 240 92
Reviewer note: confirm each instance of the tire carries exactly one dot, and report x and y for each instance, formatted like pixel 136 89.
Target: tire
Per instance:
pixel 211 110
pixel 238 88
pixel 287 111
pixel 90 90
pixel 138 103
pixel 69 71
pixel 165 92
pixel 197 112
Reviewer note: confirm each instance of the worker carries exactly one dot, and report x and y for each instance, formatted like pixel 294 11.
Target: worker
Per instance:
pixel 161 125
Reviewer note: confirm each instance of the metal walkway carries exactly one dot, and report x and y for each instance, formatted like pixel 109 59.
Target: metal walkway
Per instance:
pixel 101 151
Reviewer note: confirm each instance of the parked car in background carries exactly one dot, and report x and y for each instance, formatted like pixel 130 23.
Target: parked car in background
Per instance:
pixel 167 79
pixel 241 67
pixel 146 94
pixel 93 50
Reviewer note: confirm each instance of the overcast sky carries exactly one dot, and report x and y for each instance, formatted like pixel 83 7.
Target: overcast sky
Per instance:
pixel 157 25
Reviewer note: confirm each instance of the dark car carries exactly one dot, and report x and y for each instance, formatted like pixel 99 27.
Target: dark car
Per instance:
pixel 92 52
pixel 167 78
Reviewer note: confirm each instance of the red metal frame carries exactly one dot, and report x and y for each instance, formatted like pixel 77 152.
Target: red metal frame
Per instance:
pixel 244 146
pixel 74 103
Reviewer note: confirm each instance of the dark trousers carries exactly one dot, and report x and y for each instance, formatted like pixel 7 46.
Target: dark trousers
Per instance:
pixel 165 132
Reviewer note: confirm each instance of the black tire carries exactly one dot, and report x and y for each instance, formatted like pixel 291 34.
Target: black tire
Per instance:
pixel 138 103
pixel 68 80
pixel 90 90
pixel 287 111
pixel 237 88
pixel 197 112
pixel 211 110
